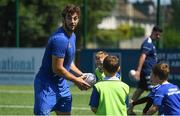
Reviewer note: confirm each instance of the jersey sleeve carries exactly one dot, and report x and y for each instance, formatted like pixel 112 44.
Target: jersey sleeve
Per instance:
pixel 151 94
pixel 94 100
pixel 59 46
pixel 146 48
pixel 158 98
pixel 127 101
pixel 153 91
pixel 118 75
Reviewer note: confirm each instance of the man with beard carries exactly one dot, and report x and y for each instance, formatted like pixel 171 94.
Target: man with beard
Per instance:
pixel 50 85
pixel 147 59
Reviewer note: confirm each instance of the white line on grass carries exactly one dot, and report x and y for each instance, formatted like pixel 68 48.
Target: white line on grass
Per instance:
pixel 15 106
pixel 31 92
pixel 31 107
pixel 16 91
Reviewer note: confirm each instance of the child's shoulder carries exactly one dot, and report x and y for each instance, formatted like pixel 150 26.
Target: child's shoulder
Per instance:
pixel 123 83
pixel 125 87
pixel 167 87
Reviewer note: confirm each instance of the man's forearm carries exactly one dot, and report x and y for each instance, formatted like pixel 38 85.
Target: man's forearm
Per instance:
pixel 63 72
pixel 75 69
pixel 141 62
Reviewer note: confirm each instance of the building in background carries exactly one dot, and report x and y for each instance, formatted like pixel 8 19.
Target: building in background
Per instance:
pixel 138 13
pixel 141 14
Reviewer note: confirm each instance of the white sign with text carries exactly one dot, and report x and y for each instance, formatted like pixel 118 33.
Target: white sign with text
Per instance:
pixel 19 65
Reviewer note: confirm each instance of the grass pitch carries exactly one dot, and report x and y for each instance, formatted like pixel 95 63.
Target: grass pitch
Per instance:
pixel 19 100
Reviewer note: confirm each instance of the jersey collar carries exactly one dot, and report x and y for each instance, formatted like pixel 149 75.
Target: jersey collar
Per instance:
pixel 111 78
pixel 149 40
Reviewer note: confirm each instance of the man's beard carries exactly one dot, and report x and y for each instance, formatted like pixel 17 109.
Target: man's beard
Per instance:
pixel 67 28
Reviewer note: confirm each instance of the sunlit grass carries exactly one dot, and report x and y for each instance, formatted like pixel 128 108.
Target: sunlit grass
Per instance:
pixel 19 100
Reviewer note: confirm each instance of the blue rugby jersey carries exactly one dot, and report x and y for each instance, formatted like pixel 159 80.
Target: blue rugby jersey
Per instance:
pixel 167 98
pixel 62 46
pixel 149 49
pixel 153 91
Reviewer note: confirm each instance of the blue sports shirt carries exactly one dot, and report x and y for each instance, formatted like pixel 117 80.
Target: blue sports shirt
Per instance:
pixel 167 98
pixel 149 49
pixel 61 46
pixel 153 91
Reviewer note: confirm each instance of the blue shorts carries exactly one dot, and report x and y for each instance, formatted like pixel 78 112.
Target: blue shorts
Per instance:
pixel 46 100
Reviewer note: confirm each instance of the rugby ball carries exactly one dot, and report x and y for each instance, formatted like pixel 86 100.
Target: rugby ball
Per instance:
pixel 132 76
pixel 132 73
pixel 90 78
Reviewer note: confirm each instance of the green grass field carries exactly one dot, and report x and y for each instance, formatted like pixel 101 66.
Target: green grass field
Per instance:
pixel 18 100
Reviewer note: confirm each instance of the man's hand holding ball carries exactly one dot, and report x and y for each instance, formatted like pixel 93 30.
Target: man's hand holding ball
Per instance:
pixel 135 75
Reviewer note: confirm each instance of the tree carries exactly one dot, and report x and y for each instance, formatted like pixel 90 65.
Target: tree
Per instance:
pixel 39 18
pixel 171 38
pixel 175 14
pixel 111 38
pixel 97 10
pixel 7 23
pixel 171 35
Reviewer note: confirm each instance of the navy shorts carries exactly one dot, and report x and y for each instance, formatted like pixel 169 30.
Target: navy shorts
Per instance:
pixel 46 100
pixel 145 82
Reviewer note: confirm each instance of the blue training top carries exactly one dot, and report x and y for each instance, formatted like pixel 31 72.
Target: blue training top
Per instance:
pixel 153 91
pixel 61 46
pixel 149 49
pixel 167 98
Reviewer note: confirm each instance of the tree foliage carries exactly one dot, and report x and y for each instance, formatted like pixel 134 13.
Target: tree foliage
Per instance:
pixel 97 9
pixel 39 18
pixel 113 37
pixel 171 35
pixel 176 17
pixel 7 23
pixel 171 38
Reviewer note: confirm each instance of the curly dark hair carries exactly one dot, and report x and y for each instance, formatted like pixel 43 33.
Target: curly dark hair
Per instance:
pixel 157 28
pixel 70 9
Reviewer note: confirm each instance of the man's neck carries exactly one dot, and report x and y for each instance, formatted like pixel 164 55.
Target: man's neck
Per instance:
pixel 151 36
pixel 67 32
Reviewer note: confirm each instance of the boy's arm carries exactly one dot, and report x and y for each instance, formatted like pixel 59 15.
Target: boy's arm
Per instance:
pixel 140 101
pixel 143 100
pixel 152 110
pixel 94 109
pixel 148 105
pixel 94 100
